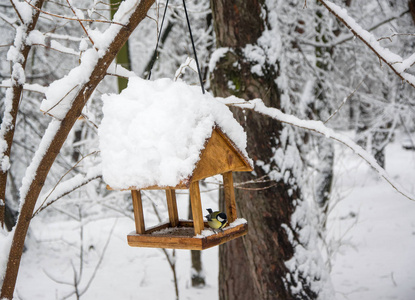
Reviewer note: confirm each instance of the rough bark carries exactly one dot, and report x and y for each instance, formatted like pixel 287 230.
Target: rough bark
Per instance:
pixel 237 23
pixel 254 267
pixel 411 6
pixel 17 90
pixel 61 134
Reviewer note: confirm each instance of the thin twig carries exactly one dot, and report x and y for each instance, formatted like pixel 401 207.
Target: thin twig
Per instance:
pixel 72 19
pixel 100 259
pixel 47 112
pixel 117 75
pixel 60 179
pixel 393 35
pixel 80 23
pixel 345 100
pixel 89 121
pixel 54 49
pixel 25 89
pixel 257 189
pixel 17 11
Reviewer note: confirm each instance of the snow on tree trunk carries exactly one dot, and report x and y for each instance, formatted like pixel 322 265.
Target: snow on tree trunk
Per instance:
pixel 275 260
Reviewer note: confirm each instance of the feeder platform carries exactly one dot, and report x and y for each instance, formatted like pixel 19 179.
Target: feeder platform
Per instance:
pixel 183 236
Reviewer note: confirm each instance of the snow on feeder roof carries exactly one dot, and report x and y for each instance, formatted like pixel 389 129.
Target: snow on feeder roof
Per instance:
pixel 153 135
pixel 168 135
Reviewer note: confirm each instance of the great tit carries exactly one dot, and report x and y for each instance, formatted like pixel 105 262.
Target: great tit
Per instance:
pixel 216 220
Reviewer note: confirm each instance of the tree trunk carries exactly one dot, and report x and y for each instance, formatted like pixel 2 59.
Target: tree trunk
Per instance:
pixel 321 110
pixel 411 6
pixel 255 267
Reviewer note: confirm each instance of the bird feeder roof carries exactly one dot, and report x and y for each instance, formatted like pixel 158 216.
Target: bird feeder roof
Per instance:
pixel 160 134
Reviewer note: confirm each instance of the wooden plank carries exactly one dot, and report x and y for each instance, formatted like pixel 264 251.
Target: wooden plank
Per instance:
pixel 188 243
pixel 172 207
pixel 229 196
pixel 138 212
pixel 196 203
pixel 229 234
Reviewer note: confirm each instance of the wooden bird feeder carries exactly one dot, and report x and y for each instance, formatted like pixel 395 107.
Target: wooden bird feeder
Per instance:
pixel 219 156
pixel 214 155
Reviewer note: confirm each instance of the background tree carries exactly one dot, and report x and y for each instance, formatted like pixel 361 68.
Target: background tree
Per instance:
pixel 249 66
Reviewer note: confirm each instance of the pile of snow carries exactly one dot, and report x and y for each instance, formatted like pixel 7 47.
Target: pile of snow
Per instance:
pixel 153 132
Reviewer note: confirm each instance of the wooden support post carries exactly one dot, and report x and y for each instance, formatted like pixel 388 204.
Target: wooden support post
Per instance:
pixel 196 207
pixel 138 212
pixel 172 207
pixel 229 196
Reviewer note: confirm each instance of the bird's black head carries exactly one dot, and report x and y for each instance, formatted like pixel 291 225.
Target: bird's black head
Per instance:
pixel 222 216
pixel 209 210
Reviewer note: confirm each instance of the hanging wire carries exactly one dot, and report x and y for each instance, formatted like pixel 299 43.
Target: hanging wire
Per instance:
pixel 158 41
pixel 194 49
pixel 191 38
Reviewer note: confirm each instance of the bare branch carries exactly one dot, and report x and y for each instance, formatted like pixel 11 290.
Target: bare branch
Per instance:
pixel 59 181
pixel 57 103
pixel 17 11
pixel 395 34
pixel 101 258
pixel 35 88
pixel 80 22
pixel 345 100
pixel 64 50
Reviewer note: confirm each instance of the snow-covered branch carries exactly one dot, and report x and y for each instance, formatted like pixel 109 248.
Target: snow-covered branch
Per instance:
pixel 394 61
pixel 258 105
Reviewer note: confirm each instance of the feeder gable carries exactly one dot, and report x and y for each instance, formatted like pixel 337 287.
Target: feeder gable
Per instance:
pixel 219 156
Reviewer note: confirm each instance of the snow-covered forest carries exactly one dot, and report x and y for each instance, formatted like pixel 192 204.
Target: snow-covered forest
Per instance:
pixel 323 89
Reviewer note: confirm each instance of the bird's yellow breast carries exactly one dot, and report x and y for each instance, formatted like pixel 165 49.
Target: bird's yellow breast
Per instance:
pixel 215 224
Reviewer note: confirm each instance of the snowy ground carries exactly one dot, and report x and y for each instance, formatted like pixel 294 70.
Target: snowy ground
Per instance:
pixel 377 230
pixel 372 229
